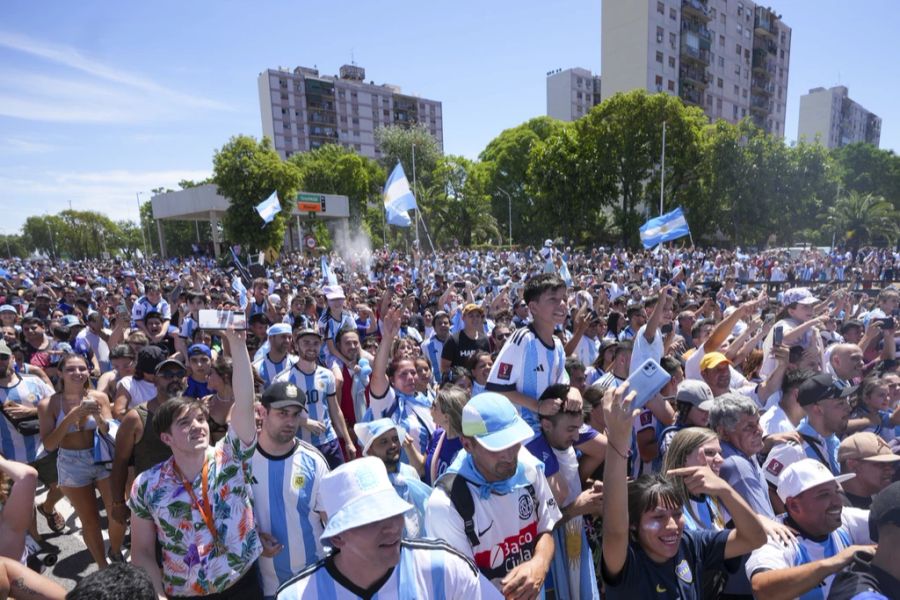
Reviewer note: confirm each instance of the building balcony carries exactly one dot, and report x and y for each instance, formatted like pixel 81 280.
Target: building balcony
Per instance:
pixel 764 23
pixel 695 8
pixel 759 104
pixel 690 94
pixel 762 86
pixel 694 75
pixel 697 55
pixel 689 25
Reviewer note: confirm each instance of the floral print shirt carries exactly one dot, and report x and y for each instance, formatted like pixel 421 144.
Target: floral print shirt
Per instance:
pixel 192 565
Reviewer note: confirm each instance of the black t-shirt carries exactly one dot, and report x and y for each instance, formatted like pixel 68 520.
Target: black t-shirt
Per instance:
pixel 864 581
pixel 679 577
pixel 458 348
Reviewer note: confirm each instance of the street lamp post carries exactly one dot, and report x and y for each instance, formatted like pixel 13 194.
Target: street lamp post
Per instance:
pixel 140 224
pixel 509 213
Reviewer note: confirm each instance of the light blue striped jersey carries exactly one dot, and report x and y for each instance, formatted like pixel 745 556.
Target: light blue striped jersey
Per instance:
pixel 427 569
pixel 28 391
pixel 268 370
pixel 143 306
pixel 413 413
pixel 408 486
pixel 286 503
pixel 317 386
pixel 431 349
pixel 587 350
pixel 527 365
pixel 329 327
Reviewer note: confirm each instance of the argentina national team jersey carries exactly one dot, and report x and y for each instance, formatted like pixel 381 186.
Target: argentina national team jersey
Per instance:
pixel 317 386
pixel 432 348
pixel 143 306
pixel 286 506
pixel 773 555
pixel 15 446
pixel 268 370
pixel 413 413
pixel 527 365
pixel 427 569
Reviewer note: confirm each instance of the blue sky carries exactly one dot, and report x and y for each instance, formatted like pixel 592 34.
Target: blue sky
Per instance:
pixel 102 100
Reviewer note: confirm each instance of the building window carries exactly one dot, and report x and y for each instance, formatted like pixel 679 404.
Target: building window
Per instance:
pixel 737 70
pixel 719 83
pixel 735 112
pixel 712 14
pixel 671 86
pixel 659 57
pixel 672 40
pixel 672 61
pixel 659 83
pixel 747 55
pixel 721 40
pixel 721 62
pixel 744 92
pixel 740 9
pixel 660 33
pixel 737 48
pixel 578 95
pixel 673 14
pixel 737 91
pixel 743 112
pixel 355 121
pixel 661 8
pixel 722 18
pixel 341 94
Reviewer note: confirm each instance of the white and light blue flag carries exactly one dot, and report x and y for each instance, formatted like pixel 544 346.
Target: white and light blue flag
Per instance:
pixel 328 275
pixel 268 208
pixel 664 228
pixel 398 198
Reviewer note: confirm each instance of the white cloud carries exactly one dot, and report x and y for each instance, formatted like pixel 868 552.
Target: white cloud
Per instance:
pixel 89 92
pixel 112 193
pixel 18 145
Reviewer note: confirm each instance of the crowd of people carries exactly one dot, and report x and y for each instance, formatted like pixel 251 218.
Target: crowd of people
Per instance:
pixel 463 424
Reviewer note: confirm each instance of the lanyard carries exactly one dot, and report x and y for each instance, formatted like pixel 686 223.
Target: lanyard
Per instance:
pixel 205 508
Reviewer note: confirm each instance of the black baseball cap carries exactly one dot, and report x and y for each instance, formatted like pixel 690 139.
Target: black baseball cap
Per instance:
pixel 281 394
pixel 822 386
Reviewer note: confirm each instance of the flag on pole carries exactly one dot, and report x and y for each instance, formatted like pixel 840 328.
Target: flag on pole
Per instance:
pixel 328 275
pixel 238 286
pixel 398 198
pixel 268 208
pixel 241 269
pixel 564 272
pixel 664 228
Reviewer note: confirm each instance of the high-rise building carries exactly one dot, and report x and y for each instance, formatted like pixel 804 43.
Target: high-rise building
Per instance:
pixel 836 119
pixel 731 58
pixel 302 110
pixel 571 93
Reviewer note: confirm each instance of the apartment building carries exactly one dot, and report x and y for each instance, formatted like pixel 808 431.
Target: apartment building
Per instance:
pixel 571 93
pixel 837 120
pixel 303 110
pixel 731 58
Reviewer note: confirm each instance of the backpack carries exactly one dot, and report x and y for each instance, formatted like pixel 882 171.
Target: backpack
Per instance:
pixel 461 497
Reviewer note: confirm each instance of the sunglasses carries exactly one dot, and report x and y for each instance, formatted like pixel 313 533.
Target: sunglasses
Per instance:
pixel 171 374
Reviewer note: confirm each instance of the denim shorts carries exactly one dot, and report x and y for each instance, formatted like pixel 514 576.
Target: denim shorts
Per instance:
pixel 76 468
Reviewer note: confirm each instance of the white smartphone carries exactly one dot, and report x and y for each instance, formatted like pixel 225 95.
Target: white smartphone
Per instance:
pixel 646 381
pixel 221 319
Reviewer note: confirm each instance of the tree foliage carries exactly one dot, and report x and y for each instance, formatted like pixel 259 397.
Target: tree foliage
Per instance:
pixel 247 172
pixel 863 218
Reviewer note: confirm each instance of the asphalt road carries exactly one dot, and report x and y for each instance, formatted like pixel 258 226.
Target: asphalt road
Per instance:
pixel 74 561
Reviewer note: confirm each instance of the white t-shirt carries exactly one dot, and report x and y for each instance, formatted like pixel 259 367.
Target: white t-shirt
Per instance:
pixel 775 420
pixel 507 525
pixel 773 555
pixel 644 349
pixel 140 390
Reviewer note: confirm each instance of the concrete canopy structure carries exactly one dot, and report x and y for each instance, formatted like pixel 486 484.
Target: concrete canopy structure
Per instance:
pixel 203 203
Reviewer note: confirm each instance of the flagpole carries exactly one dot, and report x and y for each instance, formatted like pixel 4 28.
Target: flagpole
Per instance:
pixel 662 171
pixel 384 224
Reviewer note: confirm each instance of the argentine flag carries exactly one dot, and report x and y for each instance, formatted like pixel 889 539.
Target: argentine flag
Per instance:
pixel 669 226
pixel 398 198
pixel 268 208
pixel 327 274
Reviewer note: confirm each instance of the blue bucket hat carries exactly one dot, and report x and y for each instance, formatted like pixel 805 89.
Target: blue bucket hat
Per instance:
pixel 359 493
pixel 493 420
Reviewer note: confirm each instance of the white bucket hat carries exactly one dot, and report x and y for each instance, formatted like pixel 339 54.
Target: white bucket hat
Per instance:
pixel 359 493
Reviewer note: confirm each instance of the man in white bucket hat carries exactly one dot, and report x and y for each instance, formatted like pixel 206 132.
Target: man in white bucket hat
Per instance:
pixel 365 524
pixel 383 439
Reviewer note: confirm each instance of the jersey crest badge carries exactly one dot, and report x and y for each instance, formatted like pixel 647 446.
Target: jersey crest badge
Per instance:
pixel 684 572
pixel 504 371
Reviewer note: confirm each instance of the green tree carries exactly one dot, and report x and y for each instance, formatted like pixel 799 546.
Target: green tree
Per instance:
pixel 869 170
pixel 46 234
pixel 506 160
pixel 457 206
pixel 178 235
pixel 333 169
pixel 396 143
pixel 247 172
pixel 619 146
pixel 862 219
pixel 14 245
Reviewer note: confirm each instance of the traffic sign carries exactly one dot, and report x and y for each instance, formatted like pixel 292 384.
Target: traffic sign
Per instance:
pixel 310 202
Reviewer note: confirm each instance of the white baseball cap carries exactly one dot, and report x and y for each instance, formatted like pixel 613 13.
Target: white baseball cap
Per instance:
pixel 372 430
pixel 358 493
pixel 805 474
